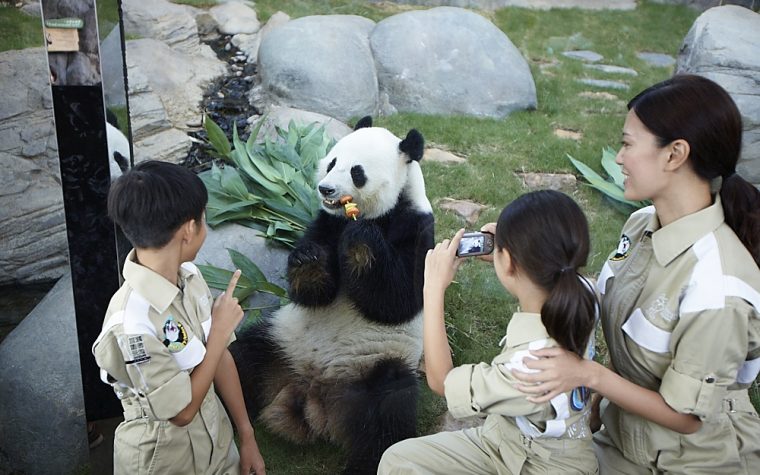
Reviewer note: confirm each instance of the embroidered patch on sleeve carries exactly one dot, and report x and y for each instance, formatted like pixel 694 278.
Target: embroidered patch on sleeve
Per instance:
pixel 623 249
pixel 175 335
pixel 136 350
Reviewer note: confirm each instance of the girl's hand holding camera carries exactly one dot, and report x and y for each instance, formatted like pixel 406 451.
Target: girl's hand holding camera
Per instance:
pixel 441 264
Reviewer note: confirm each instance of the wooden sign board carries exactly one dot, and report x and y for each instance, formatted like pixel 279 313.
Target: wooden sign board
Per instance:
pixel 62 39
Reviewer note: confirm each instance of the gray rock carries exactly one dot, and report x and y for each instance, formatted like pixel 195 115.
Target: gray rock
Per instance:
pixel 532 4
pixel 723 45
pixel 321 64
pixel 551 181
pixel 706 4
pixel 610 69
pixel 450 61
pixel 234 18
pixel 165 90
pixel 656 59
pixel 442 156
pixel 249 44
pixel 583 55
pixel 604 83
pixel 271 260
pixel 167 22
pixel 42 409
pixel 281 117
pixel 32 9
pixel 32 232
pixel 468 210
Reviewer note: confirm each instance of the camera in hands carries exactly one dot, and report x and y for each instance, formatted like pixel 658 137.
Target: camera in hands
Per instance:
pixel 475 244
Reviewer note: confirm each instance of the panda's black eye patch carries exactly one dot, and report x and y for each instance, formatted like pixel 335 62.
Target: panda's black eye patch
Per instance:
pixel 357 174
pixel 331 165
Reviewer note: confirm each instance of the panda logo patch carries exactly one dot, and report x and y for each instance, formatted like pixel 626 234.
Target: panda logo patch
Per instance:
pixel 175 336
pixel 624 247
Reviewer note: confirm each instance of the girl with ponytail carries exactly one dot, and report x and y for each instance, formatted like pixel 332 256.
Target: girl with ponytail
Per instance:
pixel 680 296
pixel 542 240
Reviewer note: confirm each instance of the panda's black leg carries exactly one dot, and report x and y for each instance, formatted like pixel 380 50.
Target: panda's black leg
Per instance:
pixel 378 411
pixel 259 362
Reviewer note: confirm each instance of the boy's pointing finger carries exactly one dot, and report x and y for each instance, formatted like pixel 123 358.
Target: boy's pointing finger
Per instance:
pixel 233 282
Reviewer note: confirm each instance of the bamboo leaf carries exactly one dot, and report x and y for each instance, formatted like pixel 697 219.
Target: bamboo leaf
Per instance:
pixel 216 137
pixel 247 266
pixel 613 169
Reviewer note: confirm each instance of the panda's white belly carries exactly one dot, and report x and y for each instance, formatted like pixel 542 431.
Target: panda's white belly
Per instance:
pixel 335 341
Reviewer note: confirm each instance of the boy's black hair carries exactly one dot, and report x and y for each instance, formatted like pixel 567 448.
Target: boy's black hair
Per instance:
pixel 153 199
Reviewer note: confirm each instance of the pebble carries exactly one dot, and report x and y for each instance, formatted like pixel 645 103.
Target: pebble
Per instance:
pixel 584 55
pixel 604 83
pixel 608 68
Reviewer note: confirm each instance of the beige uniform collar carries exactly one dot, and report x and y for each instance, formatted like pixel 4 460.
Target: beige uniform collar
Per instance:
pixel 158 291
pixel 525 327
pixel 672 240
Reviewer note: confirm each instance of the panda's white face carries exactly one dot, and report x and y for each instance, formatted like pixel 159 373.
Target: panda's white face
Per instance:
pixel 368 166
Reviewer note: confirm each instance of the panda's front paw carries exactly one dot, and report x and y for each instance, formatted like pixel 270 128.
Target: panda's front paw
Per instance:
pixel 359 247
pixel 311 282
pixel 359 259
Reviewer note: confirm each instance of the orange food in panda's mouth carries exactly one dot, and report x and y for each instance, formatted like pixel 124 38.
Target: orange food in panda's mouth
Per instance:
pixel 350 208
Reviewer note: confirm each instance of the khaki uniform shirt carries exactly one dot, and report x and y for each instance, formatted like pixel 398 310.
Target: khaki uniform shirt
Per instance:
pixel 680 307
pixel 526 430
pixel 153 336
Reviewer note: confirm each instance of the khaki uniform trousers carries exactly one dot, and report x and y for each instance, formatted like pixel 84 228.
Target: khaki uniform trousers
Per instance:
pixel 146 446
pixel 496 447
pixel 730 445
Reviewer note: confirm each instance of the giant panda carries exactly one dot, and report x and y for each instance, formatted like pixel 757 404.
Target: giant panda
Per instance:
pixel 339 362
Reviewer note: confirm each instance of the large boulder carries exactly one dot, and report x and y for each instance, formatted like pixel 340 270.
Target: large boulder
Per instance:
pixel 450 61
pixel 32 226
pixel 533 4
pixel 278 116
pixel 321 64
pixel 42 405
pixel 723 45
pixel 165 91
pixel 167 22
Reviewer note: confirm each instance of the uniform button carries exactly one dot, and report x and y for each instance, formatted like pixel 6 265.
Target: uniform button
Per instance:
pixel 709 379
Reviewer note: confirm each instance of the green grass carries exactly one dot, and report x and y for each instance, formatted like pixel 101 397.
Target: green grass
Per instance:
pixel 19 30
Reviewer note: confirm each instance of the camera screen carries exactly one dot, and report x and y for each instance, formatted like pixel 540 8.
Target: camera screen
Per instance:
pixel 471 244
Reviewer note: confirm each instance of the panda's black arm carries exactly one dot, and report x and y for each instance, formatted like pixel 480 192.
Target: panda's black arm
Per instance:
pixel 313 269
pixel 383 266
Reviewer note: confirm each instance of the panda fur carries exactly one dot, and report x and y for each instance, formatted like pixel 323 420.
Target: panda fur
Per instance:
pixel 340 361
pixel 118 147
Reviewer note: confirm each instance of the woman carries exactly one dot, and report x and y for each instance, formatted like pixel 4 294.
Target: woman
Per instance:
pixel 680 296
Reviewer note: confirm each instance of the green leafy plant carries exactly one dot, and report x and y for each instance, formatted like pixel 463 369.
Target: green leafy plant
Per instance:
pixel 251 280
pixel 268 186
pixel 613 186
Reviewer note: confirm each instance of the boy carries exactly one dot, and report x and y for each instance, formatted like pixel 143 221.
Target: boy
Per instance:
pixel 163 347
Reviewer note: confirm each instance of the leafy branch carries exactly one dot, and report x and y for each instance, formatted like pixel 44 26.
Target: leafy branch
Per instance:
pixel 613 186
pixel 268 186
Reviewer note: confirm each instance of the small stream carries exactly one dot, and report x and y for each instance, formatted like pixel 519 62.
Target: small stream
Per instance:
pixel 225 101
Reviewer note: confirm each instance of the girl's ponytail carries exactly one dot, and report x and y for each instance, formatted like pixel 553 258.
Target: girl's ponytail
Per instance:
pixel 741 207
pixel 569 313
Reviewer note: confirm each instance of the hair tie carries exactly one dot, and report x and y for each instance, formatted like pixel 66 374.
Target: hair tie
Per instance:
pixel 567 269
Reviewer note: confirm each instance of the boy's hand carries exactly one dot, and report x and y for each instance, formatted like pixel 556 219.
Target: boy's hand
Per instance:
pixel 227 313
pixel 251 460
pixel 441 263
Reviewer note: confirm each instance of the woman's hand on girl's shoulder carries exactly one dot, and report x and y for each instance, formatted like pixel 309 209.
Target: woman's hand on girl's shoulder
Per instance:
pixel 556 371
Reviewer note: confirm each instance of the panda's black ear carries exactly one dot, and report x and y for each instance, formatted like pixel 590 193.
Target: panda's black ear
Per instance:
pixel 364 122
pixel 413 145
